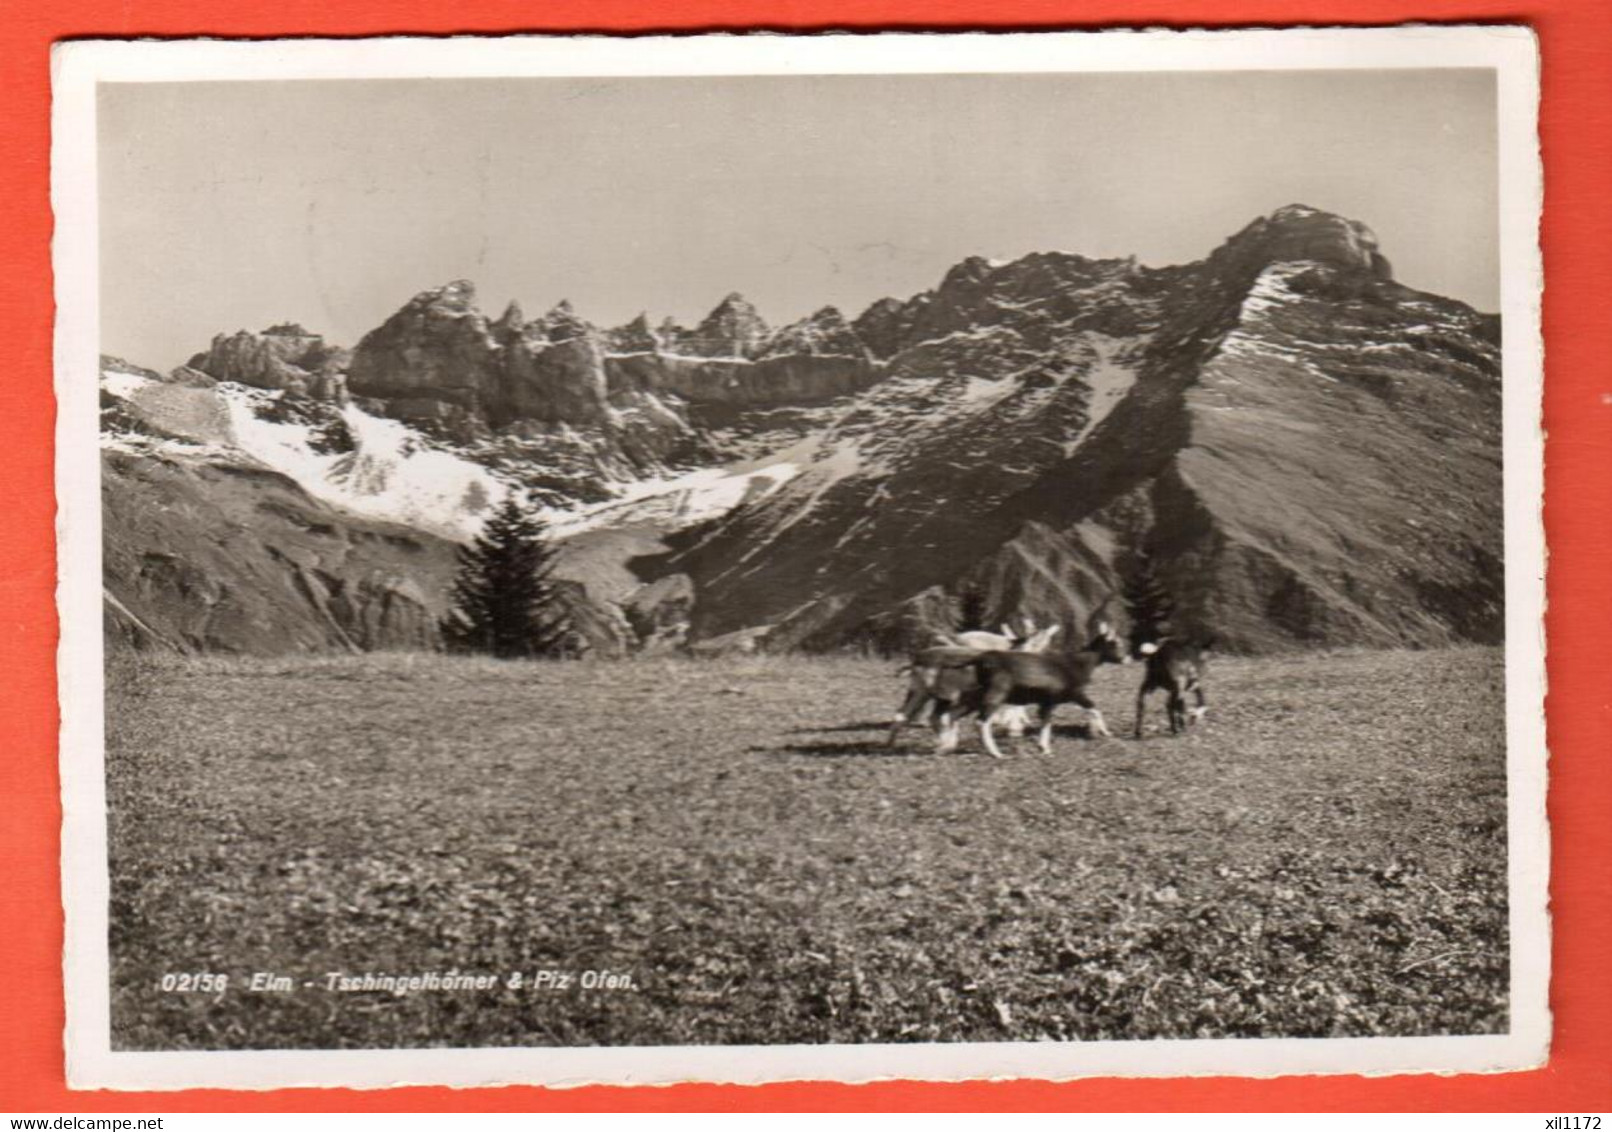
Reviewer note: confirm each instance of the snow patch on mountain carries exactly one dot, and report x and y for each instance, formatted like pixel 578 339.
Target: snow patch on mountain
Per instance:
pixel 391 473
pixel 375 468
pixel 1270 288
pixel 983 391
pixel 1109 378
pixel 679 501
pixel 124 385
pixel 381 468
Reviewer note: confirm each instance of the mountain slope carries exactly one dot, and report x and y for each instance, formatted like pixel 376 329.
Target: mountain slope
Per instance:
pixel 1307 451
pixel 210 556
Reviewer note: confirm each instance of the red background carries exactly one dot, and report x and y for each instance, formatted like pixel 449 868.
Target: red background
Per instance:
pixel 1576 129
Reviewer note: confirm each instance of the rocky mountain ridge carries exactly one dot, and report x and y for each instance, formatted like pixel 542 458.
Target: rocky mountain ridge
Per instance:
pixel 1304 451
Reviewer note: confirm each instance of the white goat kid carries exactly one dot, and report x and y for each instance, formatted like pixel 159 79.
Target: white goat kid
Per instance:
pixel 1005 641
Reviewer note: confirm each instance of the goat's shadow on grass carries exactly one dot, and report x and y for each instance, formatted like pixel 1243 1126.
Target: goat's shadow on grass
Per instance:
pixel 876 746
pixel 914 747
pixel 866 749
pixel 866 725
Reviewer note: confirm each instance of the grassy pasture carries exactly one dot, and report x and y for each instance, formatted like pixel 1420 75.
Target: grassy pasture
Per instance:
pixel 1324 857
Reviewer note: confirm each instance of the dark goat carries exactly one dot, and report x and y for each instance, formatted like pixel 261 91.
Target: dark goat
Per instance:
pixel 1177 668
pixel 940 675
pixel 993 680
pixel 927 665
pixel 1045 680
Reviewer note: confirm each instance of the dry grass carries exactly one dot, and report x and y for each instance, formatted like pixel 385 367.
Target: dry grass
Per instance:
pixel 1325 857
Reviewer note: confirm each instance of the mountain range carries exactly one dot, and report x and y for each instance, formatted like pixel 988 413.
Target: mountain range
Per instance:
pixel 1302 451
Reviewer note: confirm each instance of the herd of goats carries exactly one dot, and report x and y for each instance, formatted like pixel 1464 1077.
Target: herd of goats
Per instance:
pixel 1000 677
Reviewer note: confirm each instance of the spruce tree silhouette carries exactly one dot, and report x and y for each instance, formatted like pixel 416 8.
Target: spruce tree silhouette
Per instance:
pixel 971 609
pixel 1148 602
pixel 505 602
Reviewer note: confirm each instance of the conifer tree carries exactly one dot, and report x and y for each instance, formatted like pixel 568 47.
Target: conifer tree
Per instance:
pixel 971 609
pixel 1147 601
pixel 505 602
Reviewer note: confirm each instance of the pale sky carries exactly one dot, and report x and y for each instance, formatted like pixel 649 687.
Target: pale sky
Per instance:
pixel 228 206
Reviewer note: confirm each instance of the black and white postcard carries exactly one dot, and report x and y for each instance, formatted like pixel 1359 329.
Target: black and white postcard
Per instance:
pixel 745 558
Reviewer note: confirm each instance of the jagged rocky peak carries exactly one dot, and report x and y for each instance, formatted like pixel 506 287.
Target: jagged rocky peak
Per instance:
pixel 439 363
pixel 979 292
pixel 435 358
pixel 636 337
pixel 458 297
pixel 553 373
pixel 734 329
pixel 885 326
pixel 288 330
pixel 511 322
pixel 974 269
pixel 1060 270
pixel 284 356
pixel 1299 232
pixel 562 323
pixel 824 333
